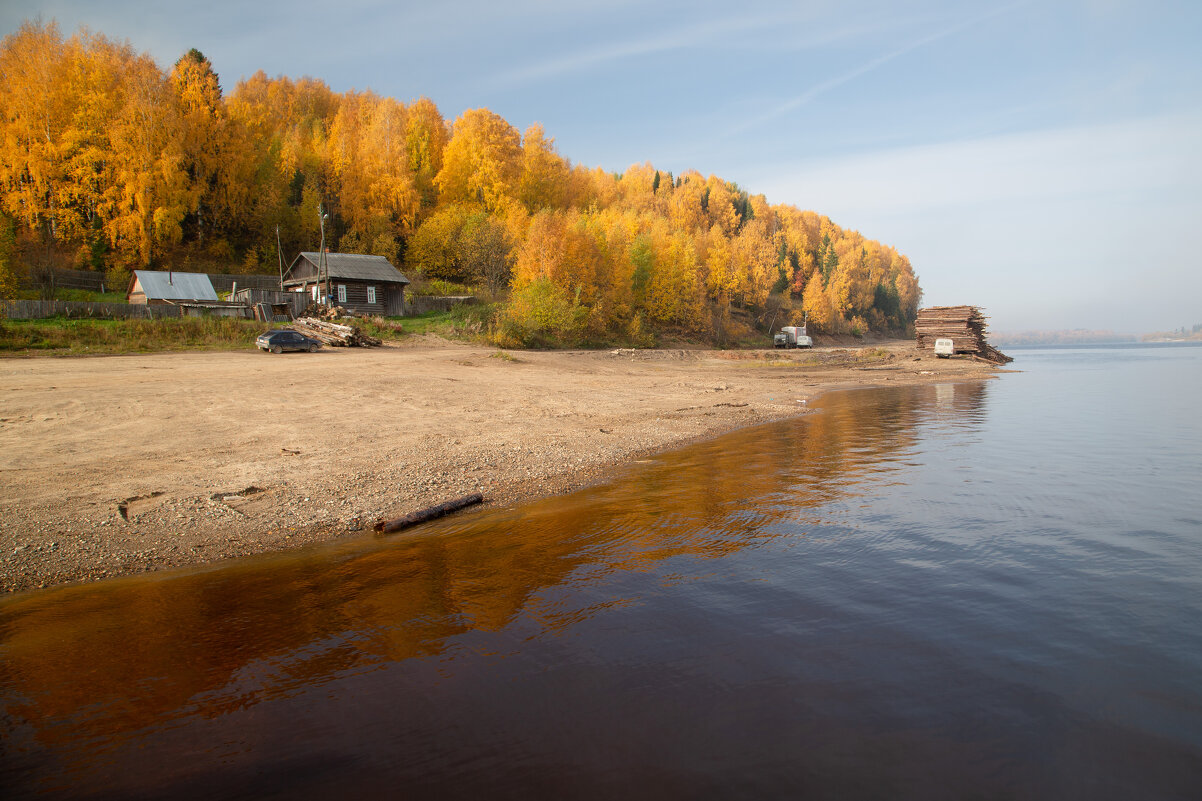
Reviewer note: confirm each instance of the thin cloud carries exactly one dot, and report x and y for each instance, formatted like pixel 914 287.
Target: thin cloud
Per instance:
pixel 679 39
pixel 1131 158
pixel 822 88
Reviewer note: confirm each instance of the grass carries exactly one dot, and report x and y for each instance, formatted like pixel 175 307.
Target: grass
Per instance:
pixel 80 295
pixel 67 337
pixel 387 328
pixel 473 323
pixel 461 322
pixel 61 336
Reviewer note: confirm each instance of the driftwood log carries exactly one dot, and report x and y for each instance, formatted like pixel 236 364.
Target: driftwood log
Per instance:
pixel 430 513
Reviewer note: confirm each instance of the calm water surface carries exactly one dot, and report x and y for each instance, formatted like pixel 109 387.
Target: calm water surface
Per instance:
pixel 953 591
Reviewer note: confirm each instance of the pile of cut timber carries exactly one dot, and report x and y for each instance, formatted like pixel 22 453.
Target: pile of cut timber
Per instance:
pixel 323 312
pixel 328 333
pixel 963 325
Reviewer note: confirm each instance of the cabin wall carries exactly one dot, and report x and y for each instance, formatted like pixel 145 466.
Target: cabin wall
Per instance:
pixel 302 270
pixel 356 296
pixel 390 297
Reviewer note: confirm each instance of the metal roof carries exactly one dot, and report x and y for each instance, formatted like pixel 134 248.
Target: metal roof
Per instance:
pixel 173 285
pixel 356 266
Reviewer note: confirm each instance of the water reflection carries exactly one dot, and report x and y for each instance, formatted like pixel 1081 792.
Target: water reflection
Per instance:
pixel 95 677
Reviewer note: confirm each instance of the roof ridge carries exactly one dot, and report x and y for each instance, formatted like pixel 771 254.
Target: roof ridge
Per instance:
pixel 345 255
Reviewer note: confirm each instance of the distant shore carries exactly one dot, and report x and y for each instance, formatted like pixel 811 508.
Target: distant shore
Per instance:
pixel 126 464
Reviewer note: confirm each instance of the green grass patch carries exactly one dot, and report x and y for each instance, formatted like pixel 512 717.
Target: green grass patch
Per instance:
pixel 62 336
pixel 429 323
pixel 67 337
pixel 467 322
pixel 77 295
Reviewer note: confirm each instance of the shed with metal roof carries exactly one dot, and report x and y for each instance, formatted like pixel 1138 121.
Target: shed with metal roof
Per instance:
pixel 357 282
pixel 153 286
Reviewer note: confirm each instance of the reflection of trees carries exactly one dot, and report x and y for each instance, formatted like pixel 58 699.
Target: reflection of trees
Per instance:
pixel 112 660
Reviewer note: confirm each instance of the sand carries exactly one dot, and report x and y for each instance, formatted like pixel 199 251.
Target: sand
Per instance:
pixel 125 464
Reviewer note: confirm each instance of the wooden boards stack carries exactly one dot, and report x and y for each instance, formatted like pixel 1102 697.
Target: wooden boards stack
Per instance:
pixel 334 334
pixel 964 325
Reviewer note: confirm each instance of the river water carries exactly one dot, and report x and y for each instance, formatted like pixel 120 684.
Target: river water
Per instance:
pixel 978 590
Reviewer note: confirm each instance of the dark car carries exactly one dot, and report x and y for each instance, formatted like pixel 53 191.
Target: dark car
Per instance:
pixel 284 339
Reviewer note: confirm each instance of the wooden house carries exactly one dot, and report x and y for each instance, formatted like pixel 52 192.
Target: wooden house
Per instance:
pixel 153 287
pixel 359 283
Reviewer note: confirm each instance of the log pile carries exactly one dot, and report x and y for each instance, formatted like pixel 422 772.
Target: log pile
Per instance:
pixel 320 311
pixel 327 333
pixel 963 325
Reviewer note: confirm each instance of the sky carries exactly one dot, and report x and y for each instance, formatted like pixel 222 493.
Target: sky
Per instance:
pixel 1042 160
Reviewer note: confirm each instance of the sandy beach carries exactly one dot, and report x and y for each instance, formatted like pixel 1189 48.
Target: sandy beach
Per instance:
pixel 126 464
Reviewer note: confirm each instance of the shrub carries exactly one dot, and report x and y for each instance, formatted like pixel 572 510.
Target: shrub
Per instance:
pixel 542 312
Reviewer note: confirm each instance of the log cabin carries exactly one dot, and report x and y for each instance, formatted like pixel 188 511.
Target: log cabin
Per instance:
pixel 358 283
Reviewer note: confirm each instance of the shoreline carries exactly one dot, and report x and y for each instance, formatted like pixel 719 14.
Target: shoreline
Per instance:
pixel 131 464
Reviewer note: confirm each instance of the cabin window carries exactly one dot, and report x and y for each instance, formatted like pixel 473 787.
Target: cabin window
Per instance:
pixel 371 294
pixel 342 293
pixel 315 292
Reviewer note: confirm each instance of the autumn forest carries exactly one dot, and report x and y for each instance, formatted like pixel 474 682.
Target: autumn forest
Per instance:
pixel 109 163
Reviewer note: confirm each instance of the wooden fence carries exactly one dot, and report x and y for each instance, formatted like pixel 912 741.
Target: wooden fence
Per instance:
pixel 246 299
pixel 41 309
pixel 80 279
pixel 67 279
pixel 420 304
pixel 96 282
pixel 224 282
pixel 297 301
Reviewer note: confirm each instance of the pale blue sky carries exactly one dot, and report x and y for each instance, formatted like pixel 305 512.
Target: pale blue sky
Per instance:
pixel 1040 159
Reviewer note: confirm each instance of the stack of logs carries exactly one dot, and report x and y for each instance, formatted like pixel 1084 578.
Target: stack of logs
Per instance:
pixel 963 325
pixel 322 312
pixel 327 333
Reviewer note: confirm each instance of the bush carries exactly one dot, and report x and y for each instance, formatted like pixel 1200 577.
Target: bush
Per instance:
pixel 638 333
pixel 542 313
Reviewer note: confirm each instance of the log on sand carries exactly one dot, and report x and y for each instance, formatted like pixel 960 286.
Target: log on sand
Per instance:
pixel 430 513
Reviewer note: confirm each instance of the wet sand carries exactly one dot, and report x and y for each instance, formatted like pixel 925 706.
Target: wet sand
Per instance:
pixel 125 464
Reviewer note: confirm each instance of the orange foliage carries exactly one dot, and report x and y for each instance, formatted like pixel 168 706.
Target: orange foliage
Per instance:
pixel 106 155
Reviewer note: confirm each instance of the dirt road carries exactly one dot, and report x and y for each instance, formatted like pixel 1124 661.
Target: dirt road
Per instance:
pixel 122 464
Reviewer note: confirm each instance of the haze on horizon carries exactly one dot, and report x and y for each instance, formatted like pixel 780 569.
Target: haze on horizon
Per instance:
pixel 1041 160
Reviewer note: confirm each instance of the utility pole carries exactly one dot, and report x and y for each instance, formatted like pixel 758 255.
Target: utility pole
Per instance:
pixel 279 249
pixel 321 254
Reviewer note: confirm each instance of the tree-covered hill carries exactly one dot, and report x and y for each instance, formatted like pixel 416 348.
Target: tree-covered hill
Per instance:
pixel 110 163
